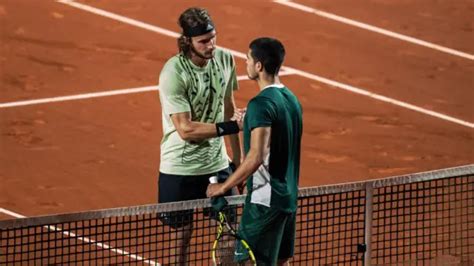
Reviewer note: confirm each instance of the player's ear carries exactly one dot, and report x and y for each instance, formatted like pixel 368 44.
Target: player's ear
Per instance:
pixel 259 66
pixel 187 39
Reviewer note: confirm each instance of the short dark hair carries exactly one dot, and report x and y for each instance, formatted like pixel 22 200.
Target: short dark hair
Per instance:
pixel 191 17
pixel 268 51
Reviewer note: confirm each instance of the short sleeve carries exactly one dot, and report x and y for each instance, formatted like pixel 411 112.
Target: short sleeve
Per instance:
pixel 260 113
pixel 173 93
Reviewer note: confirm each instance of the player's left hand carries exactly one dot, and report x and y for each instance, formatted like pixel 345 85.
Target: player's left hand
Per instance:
pixel 214 190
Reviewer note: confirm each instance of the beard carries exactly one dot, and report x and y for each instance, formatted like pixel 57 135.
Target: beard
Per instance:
pixel 205 55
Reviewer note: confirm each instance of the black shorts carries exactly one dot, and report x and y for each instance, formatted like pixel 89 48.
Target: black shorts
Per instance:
pixel 172 188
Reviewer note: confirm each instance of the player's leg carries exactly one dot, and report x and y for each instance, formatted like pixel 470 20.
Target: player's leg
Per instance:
pixel 183 237
pixel 287 245
pixel 172 188
pixel 262 227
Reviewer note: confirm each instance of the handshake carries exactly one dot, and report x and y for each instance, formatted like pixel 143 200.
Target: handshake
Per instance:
pixel 233 126
pixel 239 114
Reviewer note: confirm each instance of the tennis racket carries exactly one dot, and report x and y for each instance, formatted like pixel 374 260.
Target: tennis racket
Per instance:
pixel 224 247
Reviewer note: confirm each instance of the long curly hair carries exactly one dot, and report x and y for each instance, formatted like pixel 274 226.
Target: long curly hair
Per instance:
pixel 191 17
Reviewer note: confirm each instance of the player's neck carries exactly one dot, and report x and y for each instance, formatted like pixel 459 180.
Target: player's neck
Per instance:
pixel 198 61
pixel 265 80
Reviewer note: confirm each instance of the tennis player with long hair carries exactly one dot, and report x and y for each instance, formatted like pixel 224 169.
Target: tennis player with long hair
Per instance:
pixel 272 140
pixel 196 94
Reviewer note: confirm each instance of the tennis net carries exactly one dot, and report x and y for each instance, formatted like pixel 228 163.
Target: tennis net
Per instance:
pixel 421 219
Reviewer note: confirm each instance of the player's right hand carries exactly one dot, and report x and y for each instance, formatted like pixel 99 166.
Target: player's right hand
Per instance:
pixel 239 115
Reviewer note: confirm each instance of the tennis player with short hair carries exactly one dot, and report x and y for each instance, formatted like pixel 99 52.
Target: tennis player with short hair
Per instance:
pixel 272 139
pixel 196 95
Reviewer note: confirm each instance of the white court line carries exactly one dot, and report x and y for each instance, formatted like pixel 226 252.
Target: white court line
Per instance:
pixel 133 22
pixel 86 240
pixel 287 69
pixel 383 98
pixel 98 94
pixel 374 29
pixel 78 96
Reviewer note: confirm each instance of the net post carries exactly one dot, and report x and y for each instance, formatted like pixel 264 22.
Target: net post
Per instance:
pixel 369 190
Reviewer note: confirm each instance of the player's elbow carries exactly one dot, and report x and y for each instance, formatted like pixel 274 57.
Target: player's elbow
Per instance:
pixel 259 159
pixel 256 157
pixel 185 137
pixel 185 131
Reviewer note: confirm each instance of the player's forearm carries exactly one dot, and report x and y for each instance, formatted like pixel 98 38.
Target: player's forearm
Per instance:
pixel 197 131
pixel 252 161
pixel 190 130
pixel 234 141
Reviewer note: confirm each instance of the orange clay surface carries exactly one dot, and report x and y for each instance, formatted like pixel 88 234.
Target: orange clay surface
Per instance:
pixel 105 152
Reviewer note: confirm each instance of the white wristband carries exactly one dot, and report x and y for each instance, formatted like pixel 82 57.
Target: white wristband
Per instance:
pixel 213 179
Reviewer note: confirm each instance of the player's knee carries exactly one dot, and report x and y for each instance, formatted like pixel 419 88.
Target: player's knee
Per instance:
pixel 284 262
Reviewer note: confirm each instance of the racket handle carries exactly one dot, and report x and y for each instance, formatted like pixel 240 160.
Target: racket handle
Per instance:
pixel 213 179
pixel 218 203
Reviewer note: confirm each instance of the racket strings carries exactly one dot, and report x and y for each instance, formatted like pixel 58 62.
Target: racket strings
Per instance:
pixel 225 250
pixel 225 247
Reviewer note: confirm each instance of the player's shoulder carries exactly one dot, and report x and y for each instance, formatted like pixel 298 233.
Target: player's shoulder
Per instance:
pixel 260 101
pixel 174 64
pixel 269 94
pixel 222 52
pixel 269 97
pixel 224 56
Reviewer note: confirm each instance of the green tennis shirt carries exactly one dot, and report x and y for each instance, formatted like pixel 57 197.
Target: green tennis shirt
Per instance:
pixel 275 183
pixel 185 87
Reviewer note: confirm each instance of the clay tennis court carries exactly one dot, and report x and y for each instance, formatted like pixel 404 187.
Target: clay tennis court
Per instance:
pixel 89 152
